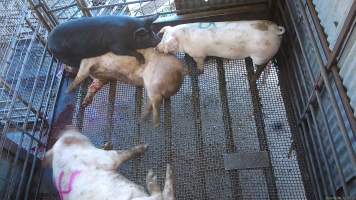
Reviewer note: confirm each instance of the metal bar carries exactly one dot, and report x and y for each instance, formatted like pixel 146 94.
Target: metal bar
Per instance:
pixel 79 110
pixel 314 148
pixel 33 129
pixel 9 51
pixel 39 15
pixel 344 98
pixel 296 81
pixel 110 111
pixel 319 28
pixel 333 147
pixel 48 139
pixel 197 122
pixel 168 131
pixel 343 35
pixel 117 4
pixel 297 116
pixel 16 95
pixel 12 104
pixel 63 7
pixel 41 129
pixel 324 157
pixel 311 163
pixel 261 132
pixel 24 128
pixel 288 94
pixel 138 136
pixel 84 8
pixel 229 135
pixel 329 91
pixel 347 27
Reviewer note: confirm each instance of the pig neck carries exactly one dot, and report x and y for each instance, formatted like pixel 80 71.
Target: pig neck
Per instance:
pixel 147 53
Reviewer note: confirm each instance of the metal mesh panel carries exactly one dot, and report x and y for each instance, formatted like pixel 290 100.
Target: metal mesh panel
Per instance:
pixel 211 115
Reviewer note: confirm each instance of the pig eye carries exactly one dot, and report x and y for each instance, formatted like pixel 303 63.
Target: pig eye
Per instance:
pixel 141 32
pixel 160 34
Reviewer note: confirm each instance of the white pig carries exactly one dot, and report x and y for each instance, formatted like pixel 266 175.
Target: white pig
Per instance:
pixel 161 75
pixel 258 39
pixel 82 171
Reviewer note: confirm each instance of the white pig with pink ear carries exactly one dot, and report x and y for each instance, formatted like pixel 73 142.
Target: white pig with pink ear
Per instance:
pixel 82 171
pixel 259 39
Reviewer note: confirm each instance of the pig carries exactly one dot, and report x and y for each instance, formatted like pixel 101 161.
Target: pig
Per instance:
pixel 259 39
pixel 82 171
pixel 161 75
pixel 88 37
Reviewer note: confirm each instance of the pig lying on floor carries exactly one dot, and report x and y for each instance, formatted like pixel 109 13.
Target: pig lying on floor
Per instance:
pixel 161 75
pixel 82 171
pixel 259 40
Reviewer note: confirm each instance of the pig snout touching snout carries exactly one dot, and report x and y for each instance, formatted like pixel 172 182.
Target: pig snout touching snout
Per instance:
pixel 259 39
pixel 82 171
pixel 161 75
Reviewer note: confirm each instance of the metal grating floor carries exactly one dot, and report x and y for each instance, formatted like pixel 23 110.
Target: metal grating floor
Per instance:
pixel 212 114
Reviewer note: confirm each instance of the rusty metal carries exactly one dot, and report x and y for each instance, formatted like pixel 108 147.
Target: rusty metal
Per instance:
pixel 230 146
pixel 292 115
pixel 330 93
pixel 197 118
pixel 332 55
pixel 261 132
pixel 319 29
pixel 84 8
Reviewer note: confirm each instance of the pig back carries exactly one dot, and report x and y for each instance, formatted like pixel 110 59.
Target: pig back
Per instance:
pixel 234 40
pixel 90 37
pixel 163 74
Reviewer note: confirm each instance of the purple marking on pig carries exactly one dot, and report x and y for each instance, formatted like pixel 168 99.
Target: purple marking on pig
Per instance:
pixel 72 177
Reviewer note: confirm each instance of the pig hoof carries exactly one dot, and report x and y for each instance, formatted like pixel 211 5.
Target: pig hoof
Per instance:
pixel 142 148
pixel 151 181
pixel 200 71
pixel 156 125
pixel 107 146
pixel 145 146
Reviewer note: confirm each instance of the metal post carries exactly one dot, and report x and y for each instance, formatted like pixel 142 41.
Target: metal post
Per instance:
pixel 198 124
pixel 333 147
pixel 84 8
pixel 261 133
pixel 110 112
pixel 314 148
pixel 293 115
pixel 229 135
pixel 324 156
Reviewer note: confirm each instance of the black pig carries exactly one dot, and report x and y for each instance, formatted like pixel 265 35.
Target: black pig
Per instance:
pixel 88 37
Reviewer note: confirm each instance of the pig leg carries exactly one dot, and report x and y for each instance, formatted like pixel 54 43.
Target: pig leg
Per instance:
pixel 259 71
pixel 168 191
pixel 82 74
pixel 147 110
pixel 266 73
pixel 156 102
pixel 125 155
pixel 200 64
pixel 94 87
pixel 152 185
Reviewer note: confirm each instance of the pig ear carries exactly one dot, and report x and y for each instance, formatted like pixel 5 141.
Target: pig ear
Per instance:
pixel 48 158
pixel 151 19
pixel 164 29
